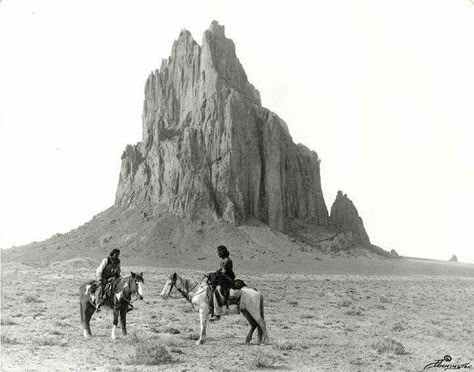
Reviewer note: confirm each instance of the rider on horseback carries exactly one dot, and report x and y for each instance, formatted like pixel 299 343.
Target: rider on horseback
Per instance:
pixel 222 280
pixel 108 271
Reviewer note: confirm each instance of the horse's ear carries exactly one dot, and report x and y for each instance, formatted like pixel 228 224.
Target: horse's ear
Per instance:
pixel 141 274
pixel 174 276
pixel 133 274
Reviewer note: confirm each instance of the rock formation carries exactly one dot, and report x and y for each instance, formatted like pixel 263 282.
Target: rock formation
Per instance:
pixel 394 253
pixel 345 218
pixel 210 150
pixel 453 258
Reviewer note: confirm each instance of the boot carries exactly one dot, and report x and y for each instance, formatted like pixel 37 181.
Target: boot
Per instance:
pixel 215 318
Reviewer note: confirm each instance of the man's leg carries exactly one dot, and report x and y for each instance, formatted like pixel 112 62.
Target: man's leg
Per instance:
pixel 218 301
pixel 98 300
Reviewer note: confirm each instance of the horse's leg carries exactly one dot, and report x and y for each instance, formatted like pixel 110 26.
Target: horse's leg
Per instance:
pixel 116 316
pixel 83 316
pixel 88 310
pixel 123 320
pixel 253 325
pixel 262 326
pixel 203 313
pixel 256 312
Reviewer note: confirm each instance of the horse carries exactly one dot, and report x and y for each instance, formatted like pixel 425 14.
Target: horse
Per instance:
pixel 123 290
pixel 199 295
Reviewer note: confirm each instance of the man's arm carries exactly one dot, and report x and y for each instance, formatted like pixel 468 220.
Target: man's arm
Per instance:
pixel 101 268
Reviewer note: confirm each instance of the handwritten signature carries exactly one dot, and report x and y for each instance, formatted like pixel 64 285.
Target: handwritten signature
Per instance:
pixel 447 358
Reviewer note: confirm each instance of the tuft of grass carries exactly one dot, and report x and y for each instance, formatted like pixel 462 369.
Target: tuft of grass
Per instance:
pixel 172 341
pixel 262 361
pixel 193 336
pixel 150 353
pixel 353 312
pixel 9 340
pixel 389 346
pixel 345 303
pixel 51 342
pixel 307 316
pixel 292 302
pixel 32 299
pixel 285 345
pixel 398 327
pixel 169 330
pixel 7 322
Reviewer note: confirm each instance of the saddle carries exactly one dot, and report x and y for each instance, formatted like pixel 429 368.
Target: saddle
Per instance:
pixel 231 296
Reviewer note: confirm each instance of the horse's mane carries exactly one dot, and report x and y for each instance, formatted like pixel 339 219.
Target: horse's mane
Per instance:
pixel 187 285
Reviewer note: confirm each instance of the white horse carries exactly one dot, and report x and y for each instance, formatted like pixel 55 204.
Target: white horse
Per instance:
pixel 199 295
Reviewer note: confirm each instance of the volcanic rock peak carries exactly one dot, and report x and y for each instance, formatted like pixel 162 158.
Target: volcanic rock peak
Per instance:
pixel 210 150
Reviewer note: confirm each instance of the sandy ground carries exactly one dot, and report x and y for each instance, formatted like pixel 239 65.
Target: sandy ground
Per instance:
pixel 340 322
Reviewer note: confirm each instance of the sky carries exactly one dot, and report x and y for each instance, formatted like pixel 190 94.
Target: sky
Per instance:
pixel 381 90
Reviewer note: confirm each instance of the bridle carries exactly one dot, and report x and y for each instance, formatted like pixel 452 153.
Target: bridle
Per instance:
pixel 131 293
pixel 183 293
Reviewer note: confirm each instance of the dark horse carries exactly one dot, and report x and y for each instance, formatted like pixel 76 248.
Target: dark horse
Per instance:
pixel 122 293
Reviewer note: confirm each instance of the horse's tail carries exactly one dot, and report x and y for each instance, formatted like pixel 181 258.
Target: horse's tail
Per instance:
pixel 261 307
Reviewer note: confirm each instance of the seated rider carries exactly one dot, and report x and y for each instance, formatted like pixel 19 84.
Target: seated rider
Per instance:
pixel 223 280
pixel 108 270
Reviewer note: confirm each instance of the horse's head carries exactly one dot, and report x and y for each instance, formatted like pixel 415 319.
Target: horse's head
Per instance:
pixel 136 284
pixel 170 283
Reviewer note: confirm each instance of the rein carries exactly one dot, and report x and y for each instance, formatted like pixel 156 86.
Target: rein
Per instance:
pixel 131 293
pixel 183 293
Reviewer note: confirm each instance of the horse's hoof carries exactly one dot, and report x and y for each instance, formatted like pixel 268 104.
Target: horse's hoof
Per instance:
pixel 200 342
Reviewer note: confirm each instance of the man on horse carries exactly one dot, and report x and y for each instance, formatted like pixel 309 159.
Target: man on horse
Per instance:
pixel 222 280
pixel 107 272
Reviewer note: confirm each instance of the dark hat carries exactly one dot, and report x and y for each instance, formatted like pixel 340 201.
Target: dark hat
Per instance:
pixel 115 250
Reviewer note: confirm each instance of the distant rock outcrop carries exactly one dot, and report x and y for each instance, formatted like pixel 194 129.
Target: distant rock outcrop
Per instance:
pixel 453 258
pixel 345 218
pixel 209 148
pixel 394 253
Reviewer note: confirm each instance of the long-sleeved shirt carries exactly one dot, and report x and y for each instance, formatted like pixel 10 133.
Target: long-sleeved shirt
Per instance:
pixel 227 268
pixel 108 268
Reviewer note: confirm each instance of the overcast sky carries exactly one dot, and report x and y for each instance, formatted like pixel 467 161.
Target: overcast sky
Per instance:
pixel 383 91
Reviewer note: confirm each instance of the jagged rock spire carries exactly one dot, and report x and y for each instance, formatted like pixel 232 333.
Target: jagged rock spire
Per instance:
pixel 345 218
pixel 210 150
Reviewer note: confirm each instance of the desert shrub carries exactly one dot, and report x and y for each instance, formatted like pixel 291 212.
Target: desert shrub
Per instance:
pixel 7 322
pixel 193 336
pixel 345 303
pixel 172 341
pixel 398 327
pixel 390 346
pixel 169 330
pixel 150 353
pixel 262 361
pixel 307 316
pixel 51 342
pixel 292 302
pixel 353 312
pixel 9 340
pixel 32 299
pixel 285 345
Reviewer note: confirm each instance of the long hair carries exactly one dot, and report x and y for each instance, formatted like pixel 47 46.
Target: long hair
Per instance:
pixel 115 250
pixel 222 250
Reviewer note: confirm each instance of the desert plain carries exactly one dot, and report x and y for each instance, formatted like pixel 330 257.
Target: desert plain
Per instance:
pixel 345 314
